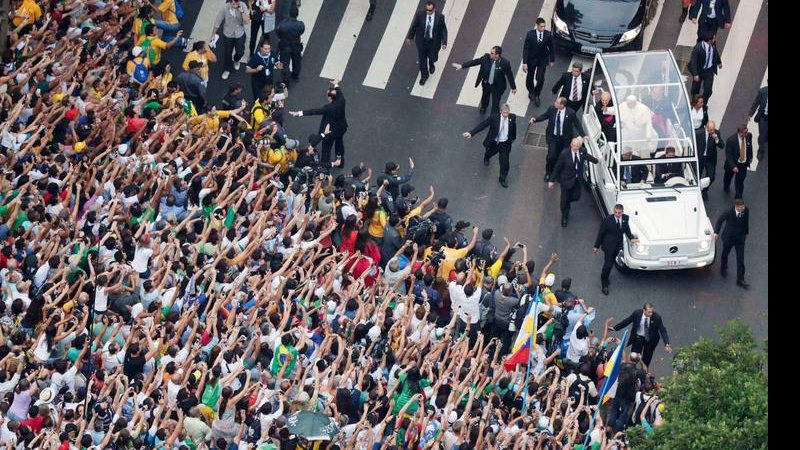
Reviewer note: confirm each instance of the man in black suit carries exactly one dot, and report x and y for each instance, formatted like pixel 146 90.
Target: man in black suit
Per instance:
pixel 562 126
pixel 575 84
pixel 429 31
pixel 647 328
pixel 494 72
pixel 569 174
pixel 708 141
pixel 737 226
pixel 761 109
pixel 632 173
pixel 703 65
pixel 536 54
pixel 715 14
pixel 333 115
pixel 502 132
pixel 665 171
pixel 609 238
pixel 738 155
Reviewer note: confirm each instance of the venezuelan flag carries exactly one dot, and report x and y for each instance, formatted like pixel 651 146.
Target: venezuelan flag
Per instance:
pixel 526 338
pixel 611 372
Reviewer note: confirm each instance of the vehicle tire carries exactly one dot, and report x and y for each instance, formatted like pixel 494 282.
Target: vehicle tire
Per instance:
pixel 621 267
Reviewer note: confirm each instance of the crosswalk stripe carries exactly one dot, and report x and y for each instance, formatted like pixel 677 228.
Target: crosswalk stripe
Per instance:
pixel 205 21
pixel 345 40
pixel 392 41
pixel 752 126
pixel 651 27
pixel 493 34
pixel 308 15
pixel 519 102
pixel 454 11
pixel 688 35
pixel 744 22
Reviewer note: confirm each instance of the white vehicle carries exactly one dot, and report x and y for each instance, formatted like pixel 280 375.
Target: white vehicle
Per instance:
pixel 638 121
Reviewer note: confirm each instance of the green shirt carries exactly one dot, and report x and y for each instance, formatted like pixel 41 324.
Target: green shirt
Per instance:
pixel 284 354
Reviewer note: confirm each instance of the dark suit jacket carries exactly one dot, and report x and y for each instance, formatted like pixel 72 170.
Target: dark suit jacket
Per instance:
pixel 534 50
pixel 564 171
pixel 722 10
pixel 566 82
pixel 697 61
pixel 732 150
pixel 493 122
pixel 502 73
pixel 735 227
pixel 333 113
pixel 666 171
pixel 571 127
pixel 759 104
pixel 638 173
pixel 656 330
pixel 706 147
pixel 609 236
pixel 417 30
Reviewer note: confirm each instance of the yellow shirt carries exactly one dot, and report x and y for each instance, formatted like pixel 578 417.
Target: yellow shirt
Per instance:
pixel 494 269
pixel 451 255
pixel 28 12
pixel 131 66
pixel 211 122
pixel 257 115
pixel 377 223
pixel 167 8
pixel 281 157
pixel 200 57
pixel 156 44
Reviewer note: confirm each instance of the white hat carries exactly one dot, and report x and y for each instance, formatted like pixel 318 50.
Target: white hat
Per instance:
pixel 47 395
pixel 502 279
pixel 136 51
pixel 122 149
pixel 550 279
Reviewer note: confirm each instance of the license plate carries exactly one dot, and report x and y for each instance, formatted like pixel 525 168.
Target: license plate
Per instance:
pixel 674 262
pixel 587 49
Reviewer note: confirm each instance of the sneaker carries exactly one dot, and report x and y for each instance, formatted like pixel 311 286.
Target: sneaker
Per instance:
pixel 236 65
pixel 225 75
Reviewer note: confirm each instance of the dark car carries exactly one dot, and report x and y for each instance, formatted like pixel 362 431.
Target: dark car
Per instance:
pixel 593 26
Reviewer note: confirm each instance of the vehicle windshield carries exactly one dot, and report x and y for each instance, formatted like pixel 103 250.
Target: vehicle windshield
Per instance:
pixel 649 103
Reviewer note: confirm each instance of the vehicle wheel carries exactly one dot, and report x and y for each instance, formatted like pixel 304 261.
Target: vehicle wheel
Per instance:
pixel 621 267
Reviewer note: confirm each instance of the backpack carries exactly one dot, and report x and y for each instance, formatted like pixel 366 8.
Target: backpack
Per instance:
pixel 253 110
pixel 575 388
pixel 639 404
pixel 140 71
pixel 178 10
pixel 487 308
pixel 148 50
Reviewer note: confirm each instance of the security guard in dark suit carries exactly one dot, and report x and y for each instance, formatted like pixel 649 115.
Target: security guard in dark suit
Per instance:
pixel 761 110
pixel 609 238
pixel 737 225
pixel 569 174
pixel 289 45
pixel 495 70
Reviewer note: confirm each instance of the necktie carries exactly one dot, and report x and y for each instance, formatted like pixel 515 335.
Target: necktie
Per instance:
pixel 574 96
pixel 619 223
pixel 738 215
pixel 575 160
pixel 742 152
pixel 647 328
pixel 540 36
pixel 557 131
pixel 627 174
pixel 491 72
pixel 429 28
pixel 501 132
pixel 766 107
pixel 709 55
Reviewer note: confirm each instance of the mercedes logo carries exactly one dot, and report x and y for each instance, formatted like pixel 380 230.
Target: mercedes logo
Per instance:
pixel 594 36
pixel 673 249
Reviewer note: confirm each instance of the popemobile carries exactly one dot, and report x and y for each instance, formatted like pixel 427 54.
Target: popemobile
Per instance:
pixel 639 126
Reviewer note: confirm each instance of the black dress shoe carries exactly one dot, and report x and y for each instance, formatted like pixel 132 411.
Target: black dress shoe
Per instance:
pixel 537 102
pixel 422 81
pixel 486 162
pixel 743 284
pixel 431 68
pixel 530 96
pixel 504 184
pixel 546 177
pixel 723 272
pixel 605 290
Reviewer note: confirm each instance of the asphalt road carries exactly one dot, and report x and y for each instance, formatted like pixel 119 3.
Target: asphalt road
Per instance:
pixel 390 124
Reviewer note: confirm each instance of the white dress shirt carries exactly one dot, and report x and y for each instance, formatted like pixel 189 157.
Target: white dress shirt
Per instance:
pixel 502 134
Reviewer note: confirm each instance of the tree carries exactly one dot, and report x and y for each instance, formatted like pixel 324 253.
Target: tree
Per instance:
pixel 717 397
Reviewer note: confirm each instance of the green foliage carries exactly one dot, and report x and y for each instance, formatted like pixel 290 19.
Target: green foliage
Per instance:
pixel 717 397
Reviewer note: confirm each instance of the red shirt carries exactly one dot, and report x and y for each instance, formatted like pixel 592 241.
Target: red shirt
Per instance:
pixel 34 424
pixel 135 124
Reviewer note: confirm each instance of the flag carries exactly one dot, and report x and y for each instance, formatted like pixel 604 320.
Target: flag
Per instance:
pixel 611 372
pixel 526 338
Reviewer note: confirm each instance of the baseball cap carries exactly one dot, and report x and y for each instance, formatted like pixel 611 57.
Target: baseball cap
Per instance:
pixel 550 279
pixel 47 395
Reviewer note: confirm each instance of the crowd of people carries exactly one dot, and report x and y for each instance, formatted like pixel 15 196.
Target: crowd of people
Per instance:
pixel 180 279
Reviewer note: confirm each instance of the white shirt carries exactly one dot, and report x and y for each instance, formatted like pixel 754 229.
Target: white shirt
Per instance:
pixel 67 379
pixel 429 25
pixel 100 299
pixel 711 11
pixel 465 305
pixel 644 320
pixel 502 134
pixel 576 85
pixel 141 259
pixel 347 210
pixel 41 275
pixel 577 347
pixel 697 117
